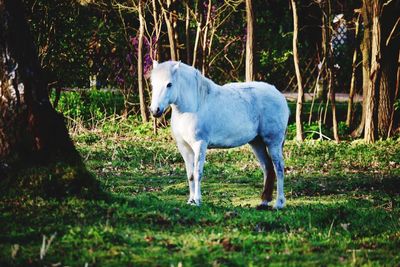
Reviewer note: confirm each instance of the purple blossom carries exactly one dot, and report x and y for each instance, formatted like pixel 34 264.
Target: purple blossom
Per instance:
pixel 128 58
pixel 147 63
pixel 134 42
pixel 120 80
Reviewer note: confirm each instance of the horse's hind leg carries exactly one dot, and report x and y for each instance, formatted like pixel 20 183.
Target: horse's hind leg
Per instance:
pixel 269 182
pixel 259 149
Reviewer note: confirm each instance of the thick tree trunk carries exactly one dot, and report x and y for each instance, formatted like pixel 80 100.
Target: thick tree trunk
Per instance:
pixel 300 93
pixel 372 96
pixel 385 103
pixel 396 94
pixel 249 41
pixel 31 132
pixel 142 101
pixel 366 52
pixel 390 47
pixel 44 129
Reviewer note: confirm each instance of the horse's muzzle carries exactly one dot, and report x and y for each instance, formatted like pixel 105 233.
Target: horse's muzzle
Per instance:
pixel 156 112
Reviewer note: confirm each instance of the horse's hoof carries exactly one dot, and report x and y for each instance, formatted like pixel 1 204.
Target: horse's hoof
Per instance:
pixel 193 202
pixel 280 203
pixel 263 207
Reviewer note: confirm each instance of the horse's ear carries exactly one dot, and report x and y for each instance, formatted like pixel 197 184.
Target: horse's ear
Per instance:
pixel 155 64
pixel 176 66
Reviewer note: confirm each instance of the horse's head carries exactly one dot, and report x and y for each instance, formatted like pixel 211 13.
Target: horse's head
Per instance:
pixel 165 86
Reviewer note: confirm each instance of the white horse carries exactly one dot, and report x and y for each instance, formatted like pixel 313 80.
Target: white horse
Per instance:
pixel 207 115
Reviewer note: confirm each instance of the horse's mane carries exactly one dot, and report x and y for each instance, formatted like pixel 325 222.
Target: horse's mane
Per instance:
pixel 203 84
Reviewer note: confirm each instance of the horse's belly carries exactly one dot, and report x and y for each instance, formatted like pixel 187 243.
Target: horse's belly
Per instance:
pixel 231 137
pixel 228 143
pixel 231 125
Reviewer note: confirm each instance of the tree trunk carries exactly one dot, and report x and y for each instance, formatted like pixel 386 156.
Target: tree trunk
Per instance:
pixel 187 34
pixel 31 131
pixel 300 93
pixel 174 21
pixel 249 41
pixel 332 98
pixel 331 71
pixel 366 51
pixel 197 39
pixel 385 102
pixel 156 53
pixel 205 39
pixel 46 128
pixel 389 48
pixel 349 118
pixel 396 94
pixel 322 86
pixel 142 101
pixel 372 96
pixel 170 30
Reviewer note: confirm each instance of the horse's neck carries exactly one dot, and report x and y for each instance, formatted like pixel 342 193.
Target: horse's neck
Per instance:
pixel 191 102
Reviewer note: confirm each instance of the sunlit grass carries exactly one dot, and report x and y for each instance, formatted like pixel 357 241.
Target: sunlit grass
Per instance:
pixel 342 207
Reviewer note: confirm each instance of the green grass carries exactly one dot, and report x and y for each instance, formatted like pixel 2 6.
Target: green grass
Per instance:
pixel 342 208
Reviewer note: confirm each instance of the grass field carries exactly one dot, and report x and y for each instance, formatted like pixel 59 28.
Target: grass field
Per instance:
pixel 342 208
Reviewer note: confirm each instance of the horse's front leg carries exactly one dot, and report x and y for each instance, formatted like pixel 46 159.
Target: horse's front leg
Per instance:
pixel 199 148
pixel 188 156
pixel 277 159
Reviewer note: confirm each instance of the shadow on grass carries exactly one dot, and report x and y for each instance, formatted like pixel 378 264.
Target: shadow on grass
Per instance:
pixel 156 211
pixel 54 179
pixel 137 221
pixel 333 185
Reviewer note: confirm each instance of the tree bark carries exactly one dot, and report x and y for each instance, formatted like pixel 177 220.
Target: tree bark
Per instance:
pixel 332 97
pixel 198 32
pixel 174 21
pixel 389 48
pixel 385 103
pixel 156 53
pixel 300 93
pixel 396 94
pixel 249 41
pixel 44 129
pixel 187 34
pixel 322 88
pixel 205 39
pixel 372 94
pixel 170 29
pixel 366 52
pixel 32 133
pixel 142 101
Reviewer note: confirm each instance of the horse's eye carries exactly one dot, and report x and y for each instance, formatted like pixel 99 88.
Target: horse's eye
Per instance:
pixel 169 85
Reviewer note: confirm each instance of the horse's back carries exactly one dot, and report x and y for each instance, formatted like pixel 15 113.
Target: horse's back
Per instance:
pixel 269 103
pixel 260 89
pixel 265 94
